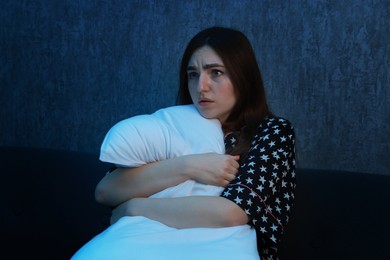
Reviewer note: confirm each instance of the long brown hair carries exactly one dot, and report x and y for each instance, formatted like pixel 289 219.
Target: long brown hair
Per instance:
pixel 237 54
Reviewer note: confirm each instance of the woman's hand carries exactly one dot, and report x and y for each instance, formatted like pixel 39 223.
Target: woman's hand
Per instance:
pixel 212 168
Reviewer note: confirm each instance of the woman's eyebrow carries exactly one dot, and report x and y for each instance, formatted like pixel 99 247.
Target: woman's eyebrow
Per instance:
pixel 206 66
pixel 212 65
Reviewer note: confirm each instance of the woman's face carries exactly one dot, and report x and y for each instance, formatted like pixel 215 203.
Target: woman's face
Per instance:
pixel 209 85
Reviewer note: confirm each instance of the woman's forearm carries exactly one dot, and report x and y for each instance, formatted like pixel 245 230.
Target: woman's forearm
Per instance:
pixel 126 183
pixel 186 212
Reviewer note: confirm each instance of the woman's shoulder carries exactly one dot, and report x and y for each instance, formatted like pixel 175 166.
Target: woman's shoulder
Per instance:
pixel 274 132
pixel 275 128
pixel 275 123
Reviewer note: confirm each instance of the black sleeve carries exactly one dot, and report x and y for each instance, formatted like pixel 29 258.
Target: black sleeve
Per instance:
pixel 264 186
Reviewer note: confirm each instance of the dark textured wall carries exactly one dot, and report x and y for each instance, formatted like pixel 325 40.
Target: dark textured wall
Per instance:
pixel 71 69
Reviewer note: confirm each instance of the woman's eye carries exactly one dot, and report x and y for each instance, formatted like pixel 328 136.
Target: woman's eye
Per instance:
pixel 217 73
pixel 192 74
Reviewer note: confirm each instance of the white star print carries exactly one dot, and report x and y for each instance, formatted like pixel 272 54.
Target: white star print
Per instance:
pixel 265 157
pixel 251 163
pixel 238 200
pixel 262 179
pixel 253 194
pixel 239 189
pixel 274 228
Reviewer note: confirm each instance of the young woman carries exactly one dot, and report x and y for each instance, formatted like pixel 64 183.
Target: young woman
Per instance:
pixel 219 74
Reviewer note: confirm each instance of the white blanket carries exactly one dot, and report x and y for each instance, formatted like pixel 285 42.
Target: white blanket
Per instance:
pixel 167 133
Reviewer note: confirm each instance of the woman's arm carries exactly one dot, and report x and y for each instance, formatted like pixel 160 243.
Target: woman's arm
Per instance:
pixel 185 212
pixel 126 183
pixel 265 183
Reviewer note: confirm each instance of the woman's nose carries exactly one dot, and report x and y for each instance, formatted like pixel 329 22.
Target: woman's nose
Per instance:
pixel 204 83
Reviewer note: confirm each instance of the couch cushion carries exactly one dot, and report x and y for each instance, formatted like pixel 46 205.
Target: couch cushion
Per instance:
pixel 339 215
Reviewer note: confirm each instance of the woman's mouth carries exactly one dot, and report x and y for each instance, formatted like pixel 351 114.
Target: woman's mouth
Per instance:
pixel 204 102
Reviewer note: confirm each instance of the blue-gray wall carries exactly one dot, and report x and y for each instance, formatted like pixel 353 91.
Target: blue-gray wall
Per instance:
pixel 71 69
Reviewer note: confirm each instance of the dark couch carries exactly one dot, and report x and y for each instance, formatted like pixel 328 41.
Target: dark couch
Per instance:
pixel 49 209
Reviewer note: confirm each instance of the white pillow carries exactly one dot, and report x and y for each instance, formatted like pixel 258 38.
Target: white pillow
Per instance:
pixel 167 133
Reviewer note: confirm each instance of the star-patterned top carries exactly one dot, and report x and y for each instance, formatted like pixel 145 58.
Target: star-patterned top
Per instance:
pixel 265 183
